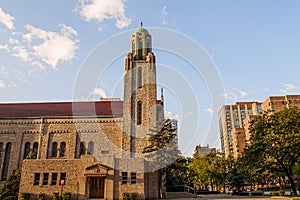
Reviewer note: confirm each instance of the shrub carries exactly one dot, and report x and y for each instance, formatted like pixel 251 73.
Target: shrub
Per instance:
pixel 41 196
pixel 281 192
pixel 25 196
pixel 10 198
pixel 55 196
pixel 66 196
pixel 274 193
pixel 129 196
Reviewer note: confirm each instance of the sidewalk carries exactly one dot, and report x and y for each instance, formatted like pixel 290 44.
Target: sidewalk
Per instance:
pixel 188 196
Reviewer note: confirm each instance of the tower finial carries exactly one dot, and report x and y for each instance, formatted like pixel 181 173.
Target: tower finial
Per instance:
pixel 141 25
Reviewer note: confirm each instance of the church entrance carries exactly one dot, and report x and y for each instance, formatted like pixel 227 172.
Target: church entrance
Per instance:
pixel 97 187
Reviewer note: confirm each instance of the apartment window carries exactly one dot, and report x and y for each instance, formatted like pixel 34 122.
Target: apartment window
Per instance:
pixel 54 179
pixel 124 177
pixel 36 180
pixel 62 149
pixel 91 147
pixel 6 161
pixel 133 177
pixel 62 180
pixel 139 113
pixel 54 149
pixel 45 178
pixel 26 149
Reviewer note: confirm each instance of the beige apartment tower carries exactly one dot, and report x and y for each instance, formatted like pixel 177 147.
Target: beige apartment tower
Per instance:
pixel 234 120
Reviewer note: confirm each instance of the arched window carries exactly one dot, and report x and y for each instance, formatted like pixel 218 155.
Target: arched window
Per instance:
pixel 54 150
pixel 140 49
pixel 6 161
pixel 26 149
pixel 91 147
pixel 62 149
pixel 133 47
pixel 139 113
pixel 82 148
pixel 35 149
pixel 139 78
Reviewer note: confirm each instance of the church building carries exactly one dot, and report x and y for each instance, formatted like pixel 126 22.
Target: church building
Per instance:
pixel 92 150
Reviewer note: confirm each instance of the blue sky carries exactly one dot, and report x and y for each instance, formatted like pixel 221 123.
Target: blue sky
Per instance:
pixel 255 46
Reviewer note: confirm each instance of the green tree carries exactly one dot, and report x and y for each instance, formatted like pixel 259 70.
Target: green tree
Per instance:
pixel 210 170
pixel 11 186
pixel 162 149
pixel 178 173
pixel 276 141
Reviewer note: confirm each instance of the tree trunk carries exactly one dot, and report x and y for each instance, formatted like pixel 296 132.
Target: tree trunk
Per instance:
pixel 292 182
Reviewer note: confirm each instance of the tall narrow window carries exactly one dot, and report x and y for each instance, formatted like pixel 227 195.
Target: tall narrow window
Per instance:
pixel 62 149
pixel 36 180
pixel 1 153
pixel 124 177
pixel 35 149
pixel 45 178
pixel 133 178
pixel 139 113
pixel 133 47
pixel 139 78
pixel 54 150
pixel 91 147
pixel 26 149
pixel 6 161
pixel 54 179
pixel 62 180
pixel 140 49
pixel 82 148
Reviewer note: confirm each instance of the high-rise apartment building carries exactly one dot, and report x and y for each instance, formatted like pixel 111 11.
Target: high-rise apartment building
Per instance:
pixel 231 122
pixel 234 120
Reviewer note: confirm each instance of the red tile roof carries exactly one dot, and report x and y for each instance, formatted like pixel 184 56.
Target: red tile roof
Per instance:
pixel 98 108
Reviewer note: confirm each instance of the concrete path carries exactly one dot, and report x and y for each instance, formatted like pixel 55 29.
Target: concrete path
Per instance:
pixel 187 196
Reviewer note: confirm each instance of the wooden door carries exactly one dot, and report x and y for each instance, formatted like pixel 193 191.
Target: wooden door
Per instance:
pixel 96 187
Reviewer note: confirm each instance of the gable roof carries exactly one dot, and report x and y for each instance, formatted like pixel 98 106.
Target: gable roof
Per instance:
pixel 55 109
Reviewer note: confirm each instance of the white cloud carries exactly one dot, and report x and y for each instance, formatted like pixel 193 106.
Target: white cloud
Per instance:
pixel 13 41
pixel 21 52
pixel 170 115
pixel 4 47
pixel 7 20
pixel 243 94
pixel 2 85
pixel 287 87
pixel 99 92
pixel 94 94
pixel 164 11
pixel 100 10
pixel 235 94
pixel 4 71
pixel 164 15
pixel 12 85
pixel 209 110
pixel 45 48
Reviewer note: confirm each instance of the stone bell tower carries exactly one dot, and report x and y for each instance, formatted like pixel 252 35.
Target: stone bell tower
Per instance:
pixel 139 107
